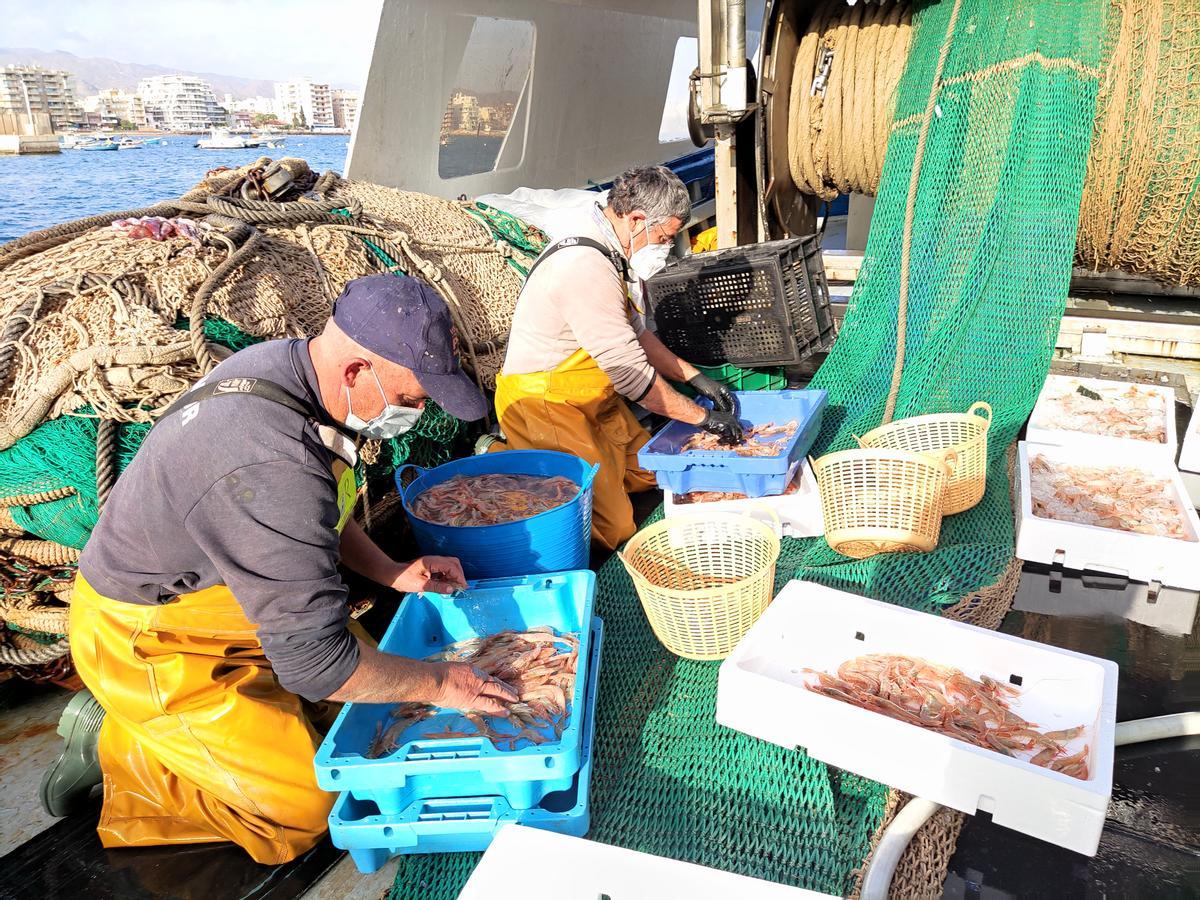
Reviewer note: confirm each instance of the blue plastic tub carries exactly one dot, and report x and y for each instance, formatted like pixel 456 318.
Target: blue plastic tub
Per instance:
pixel 554 541
pixel 464 767
pixel 466 823
pixel 724 470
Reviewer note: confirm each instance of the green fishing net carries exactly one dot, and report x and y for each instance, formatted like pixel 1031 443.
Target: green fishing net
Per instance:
pixel 993 238
pixel 61 453
pixel 521 236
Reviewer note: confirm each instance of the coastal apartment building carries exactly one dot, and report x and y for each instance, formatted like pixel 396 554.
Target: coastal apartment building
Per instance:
pixel 26 90
pixel 345 109
pixel 181 102
pixel 114 106
pixel 303 102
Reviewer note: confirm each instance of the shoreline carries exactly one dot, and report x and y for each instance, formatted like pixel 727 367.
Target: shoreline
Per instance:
pixel 145 133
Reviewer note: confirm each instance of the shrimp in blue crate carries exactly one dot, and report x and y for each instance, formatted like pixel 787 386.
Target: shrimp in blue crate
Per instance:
pixel 755 442
pixel 538 663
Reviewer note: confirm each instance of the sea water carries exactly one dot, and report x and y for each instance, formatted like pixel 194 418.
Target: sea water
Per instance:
pixel 37 191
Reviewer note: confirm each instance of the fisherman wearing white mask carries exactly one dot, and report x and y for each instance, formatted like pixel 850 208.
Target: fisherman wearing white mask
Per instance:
pixel 579 347
pixel 209 606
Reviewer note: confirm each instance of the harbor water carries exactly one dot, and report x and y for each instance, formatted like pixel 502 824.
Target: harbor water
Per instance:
pixel 40 191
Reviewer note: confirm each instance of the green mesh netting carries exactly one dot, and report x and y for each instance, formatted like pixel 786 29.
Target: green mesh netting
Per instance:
pixel 994 230
pixel 61 453
pixel 994 235
pixel 507 227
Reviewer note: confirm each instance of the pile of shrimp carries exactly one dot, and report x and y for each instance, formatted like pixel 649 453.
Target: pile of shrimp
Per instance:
pixel 537 663
pixel 1120 410
pixel 713 496
pixel 492 499
pixel 943 699
pixel 754 445
pixel 1126 499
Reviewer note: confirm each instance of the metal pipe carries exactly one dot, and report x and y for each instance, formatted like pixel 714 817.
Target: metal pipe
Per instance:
pixel 735 33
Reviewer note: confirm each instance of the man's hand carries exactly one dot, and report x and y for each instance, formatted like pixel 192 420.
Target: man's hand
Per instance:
pixel 724 425
pixel 722 398
pixel 433 574
pixel 462 686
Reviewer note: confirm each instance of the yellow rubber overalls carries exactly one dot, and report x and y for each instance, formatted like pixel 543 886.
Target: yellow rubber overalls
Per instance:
pixel 574 408
pixel 200 743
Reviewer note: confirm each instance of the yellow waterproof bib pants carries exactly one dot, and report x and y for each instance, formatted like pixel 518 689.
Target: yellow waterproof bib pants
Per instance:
pixel 575 409
pixel 200 743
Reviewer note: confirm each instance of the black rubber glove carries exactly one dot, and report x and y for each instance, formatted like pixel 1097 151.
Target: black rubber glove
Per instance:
pixel 722 398
pixel 725 426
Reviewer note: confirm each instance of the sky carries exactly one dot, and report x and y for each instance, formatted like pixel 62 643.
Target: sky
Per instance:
pixel 329 40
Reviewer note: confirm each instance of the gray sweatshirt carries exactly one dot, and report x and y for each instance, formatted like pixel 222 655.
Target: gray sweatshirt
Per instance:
pixel 241 494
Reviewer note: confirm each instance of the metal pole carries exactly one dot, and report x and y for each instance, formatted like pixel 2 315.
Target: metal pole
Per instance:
pixel 725 172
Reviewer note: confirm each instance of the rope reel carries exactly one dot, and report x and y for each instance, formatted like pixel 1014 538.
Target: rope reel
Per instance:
pixel 1140 210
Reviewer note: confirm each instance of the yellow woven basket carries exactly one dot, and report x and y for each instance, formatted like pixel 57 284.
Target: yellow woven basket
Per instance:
pixel 703 580
pixel 964 434
pixel 881 501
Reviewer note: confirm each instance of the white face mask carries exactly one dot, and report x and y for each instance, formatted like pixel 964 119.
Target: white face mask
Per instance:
pixel 649 260
pixel 392 422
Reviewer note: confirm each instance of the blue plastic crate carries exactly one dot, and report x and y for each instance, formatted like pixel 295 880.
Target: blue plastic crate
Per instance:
pixel 724 470
pixel 466 823
pixel 463 767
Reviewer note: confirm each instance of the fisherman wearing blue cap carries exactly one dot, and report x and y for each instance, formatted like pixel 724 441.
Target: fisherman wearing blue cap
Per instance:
pixel 208 607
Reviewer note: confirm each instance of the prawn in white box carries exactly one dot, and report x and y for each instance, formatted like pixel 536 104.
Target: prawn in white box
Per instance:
pixel 1065 417
pixel 762 692
pixel 1140 557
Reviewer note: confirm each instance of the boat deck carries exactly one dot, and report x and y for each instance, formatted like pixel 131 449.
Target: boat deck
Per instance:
pixel 1150 847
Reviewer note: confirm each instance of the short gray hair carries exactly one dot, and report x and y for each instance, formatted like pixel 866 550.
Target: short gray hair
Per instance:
pixel 655 190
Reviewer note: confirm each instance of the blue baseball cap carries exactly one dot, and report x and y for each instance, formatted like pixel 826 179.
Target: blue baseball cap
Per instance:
pixel 402 319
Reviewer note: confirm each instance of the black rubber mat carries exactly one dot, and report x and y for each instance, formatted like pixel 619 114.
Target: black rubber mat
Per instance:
pixel 67 860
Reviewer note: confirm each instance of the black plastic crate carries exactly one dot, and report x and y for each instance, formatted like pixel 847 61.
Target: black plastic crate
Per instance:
pixel 759 305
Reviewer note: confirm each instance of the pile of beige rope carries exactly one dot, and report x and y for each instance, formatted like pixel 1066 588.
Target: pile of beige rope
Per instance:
pixel 90 323
pixel 1141 207
pixel 848 67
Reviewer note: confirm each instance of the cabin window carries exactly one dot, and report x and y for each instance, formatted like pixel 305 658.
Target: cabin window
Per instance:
pixel 483 124
pixel 674 118
pixel 687 54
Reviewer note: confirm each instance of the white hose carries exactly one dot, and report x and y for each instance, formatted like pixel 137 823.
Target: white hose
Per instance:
pixel 1157 728
pixel 877 880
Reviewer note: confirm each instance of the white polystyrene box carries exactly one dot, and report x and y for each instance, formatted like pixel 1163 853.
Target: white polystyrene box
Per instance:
pixel 1140 557
pixel 761 691
pixel 1035 433
pixel 1172 610
pixel 1189 457
pixel 571 868
pixel 799 513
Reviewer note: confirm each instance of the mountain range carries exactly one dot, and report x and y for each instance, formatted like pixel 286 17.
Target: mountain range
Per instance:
pixel 93 73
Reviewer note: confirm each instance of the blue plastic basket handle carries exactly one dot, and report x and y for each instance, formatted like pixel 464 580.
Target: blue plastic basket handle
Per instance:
pixel 399 480
pixel 588 477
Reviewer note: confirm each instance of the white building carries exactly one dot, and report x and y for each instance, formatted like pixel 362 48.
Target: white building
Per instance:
pixel 305 103
pixel 32 89
pixel 183 102
pixel 117 105
pixel 345 109
pixel 464 112
pixel 256 106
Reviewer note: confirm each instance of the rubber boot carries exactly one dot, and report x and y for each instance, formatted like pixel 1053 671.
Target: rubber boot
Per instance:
pixel 70 778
